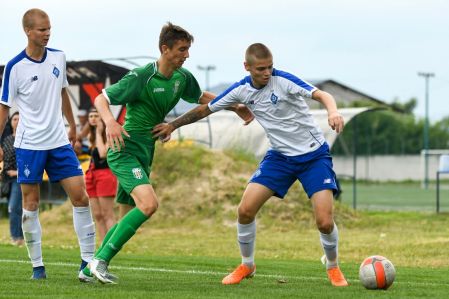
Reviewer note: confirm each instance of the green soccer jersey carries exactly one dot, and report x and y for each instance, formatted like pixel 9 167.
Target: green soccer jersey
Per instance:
pixel 149 96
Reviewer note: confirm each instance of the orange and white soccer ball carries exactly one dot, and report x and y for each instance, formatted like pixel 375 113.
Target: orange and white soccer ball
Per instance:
pixel 377 272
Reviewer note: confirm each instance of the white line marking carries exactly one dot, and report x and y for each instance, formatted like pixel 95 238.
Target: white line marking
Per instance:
pixel 201 272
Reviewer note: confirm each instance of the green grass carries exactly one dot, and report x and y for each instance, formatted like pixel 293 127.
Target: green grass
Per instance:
pixel 395 196
pixel 147 276
pixel 190 244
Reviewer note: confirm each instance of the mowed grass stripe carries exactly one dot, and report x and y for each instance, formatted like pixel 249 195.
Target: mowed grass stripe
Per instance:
pixel 165 270
pixel 215 273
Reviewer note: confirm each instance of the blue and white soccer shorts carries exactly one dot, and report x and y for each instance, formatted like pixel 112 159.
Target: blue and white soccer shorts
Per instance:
pixel 314 170
pixel 59 163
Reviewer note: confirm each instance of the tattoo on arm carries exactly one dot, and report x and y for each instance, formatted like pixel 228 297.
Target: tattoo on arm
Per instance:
pixel 189 117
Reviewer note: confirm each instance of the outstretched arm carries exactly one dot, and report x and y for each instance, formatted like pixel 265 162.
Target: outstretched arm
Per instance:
pixel 164 129
pixel 241 110
pixel 334 118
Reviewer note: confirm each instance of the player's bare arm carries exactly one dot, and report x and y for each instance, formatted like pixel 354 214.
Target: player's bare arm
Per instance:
pixel 99 143
pixel 114 130
pixel 334 118
pixel 241 110
pixel 4 113
pixel 164 129
pixel 67 111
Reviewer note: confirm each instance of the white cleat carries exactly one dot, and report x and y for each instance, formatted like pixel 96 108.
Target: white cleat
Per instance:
pixel 85 278
pixel 99 269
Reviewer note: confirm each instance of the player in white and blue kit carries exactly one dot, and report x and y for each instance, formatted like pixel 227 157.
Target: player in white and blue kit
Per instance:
pixel 35 81
pixel 298 152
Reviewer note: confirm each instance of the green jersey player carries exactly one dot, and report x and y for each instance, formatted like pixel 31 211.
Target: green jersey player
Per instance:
pixel 150 93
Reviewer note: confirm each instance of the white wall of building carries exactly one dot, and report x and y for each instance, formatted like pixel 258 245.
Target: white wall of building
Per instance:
pixel 388 168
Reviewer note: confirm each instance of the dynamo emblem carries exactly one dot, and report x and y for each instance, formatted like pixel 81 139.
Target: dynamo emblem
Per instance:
pixel 274 99
pixel 27 171
pixel 56 72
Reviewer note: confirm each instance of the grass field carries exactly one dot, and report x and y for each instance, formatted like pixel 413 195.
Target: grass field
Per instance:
pixel 148 276
pixel 396 196
pixel 190 243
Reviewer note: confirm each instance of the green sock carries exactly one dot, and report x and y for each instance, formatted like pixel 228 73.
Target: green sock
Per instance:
pixel 126 228
pixel 106 238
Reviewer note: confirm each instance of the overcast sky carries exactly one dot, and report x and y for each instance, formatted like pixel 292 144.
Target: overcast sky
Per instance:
pixel 376 47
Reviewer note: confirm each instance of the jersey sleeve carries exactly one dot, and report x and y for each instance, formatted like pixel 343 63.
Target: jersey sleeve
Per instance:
pixel 65 83
pixel 192 91
pixel 9 88
pixel 126 90
pixel 304 88
pixel 296 85
pixel 228 98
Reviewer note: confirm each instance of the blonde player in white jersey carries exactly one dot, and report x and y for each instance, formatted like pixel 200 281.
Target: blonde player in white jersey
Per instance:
pixel 35 80
pixel 298 152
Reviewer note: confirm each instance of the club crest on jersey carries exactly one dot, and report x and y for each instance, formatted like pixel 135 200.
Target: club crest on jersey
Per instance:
pixel 137 173
pixel 176 87
pixel 56 72
pixel 34 78
pixel 274 99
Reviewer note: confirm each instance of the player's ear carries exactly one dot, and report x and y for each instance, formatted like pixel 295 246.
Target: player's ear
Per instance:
pixel 27 30
pixel 246 65
pixel 164 49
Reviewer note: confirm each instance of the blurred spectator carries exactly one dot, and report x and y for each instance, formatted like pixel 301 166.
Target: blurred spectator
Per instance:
pixel 101 184
pixel 9 175
pixel 82 143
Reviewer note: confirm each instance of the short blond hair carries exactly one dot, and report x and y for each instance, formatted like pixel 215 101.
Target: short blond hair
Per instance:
pixel 258 51
pixel 28 17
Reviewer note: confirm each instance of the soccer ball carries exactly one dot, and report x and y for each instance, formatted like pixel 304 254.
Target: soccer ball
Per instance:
pixel 377 272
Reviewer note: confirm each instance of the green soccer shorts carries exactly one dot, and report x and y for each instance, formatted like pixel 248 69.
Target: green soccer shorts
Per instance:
pixel 132 165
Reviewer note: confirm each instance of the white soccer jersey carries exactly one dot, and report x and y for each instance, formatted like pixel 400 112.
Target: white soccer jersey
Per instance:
pixel 35 87
pixel 281 110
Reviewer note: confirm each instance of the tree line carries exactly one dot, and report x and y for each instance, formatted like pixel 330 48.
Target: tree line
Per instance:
pixel 393 131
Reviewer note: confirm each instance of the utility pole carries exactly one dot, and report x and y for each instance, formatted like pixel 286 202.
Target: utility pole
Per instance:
pixel 207 69
pixel 426 76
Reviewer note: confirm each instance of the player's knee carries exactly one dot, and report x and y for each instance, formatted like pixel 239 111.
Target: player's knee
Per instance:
pixel 31 202
pixel 80 200
pixel 246 215
pixel 325 226
pixel 150 208
pixel 98 216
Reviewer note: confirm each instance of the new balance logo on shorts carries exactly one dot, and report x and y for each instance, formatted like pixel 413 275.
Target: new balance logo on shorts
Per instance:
pixel 137 173
pixel 327 181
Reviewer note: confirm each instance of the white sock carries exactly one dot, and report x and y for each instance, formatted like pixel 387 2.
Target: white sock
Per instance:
pixel 329 242
pixel 85 230
pixel 32 234
pixel 246 235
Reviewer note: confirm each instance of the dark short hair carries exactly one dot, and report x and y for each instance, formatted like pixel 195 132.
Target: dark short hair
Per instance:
pixel 28 17
pixel 257 50
pixel 170 34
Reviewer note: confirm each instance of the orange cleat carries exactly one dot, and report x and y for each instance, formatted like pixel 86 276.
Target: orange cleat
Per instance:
pixel 240 273
pixel 336 277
